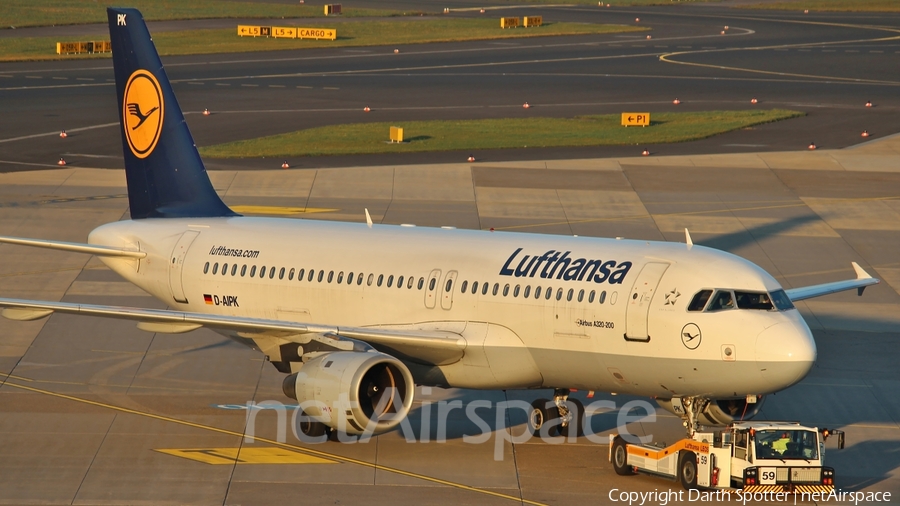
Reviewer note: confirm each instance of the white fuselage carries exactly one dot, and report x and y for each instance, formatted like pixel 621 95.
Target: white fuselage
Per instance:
pixel 640 339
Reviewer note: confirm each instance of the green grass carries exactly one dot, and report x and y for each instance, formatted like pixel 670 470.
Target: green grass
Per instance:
pixel 602 130
pixel 369 33
pixel 21 13
pixel 830 5
pixel 617 3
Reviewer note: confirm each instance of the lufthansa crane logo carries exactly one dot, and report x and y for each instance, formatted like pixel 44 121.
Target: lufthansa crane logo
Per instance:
pixel 142 110
pixel 690 336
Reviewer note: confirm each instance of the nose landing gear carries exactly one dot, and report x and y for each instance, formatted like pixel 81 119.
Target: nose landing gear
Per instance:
pixel 558 417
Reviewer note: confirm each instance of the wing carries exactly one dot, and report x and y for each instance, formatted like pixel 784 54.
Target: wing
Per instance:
pixel 91 249
pixel 863 279
pixel 424 345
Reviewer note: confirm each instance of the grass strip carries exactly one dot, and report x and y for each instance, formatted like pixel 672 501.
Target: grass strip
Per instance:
pixel 829 5
pixel 602 130
pixel 368 33
pixel 22 13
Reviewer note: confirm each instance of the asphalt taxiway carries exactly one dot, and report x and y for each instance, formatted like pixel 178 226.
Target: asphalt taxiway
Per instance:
pixel 95 411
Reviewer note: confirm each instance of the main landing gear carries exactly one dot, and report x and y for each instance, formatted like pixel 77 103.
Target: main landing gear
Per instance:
pixel 558 417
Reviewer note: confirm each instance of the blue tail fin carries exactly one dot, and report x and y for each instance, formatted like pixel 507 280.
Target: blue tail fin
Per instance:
pixel 166 178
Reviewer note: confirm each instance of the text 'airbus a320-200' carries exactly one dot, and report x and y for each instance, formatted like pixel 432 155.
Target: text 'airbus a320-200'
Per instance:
pixel 357 314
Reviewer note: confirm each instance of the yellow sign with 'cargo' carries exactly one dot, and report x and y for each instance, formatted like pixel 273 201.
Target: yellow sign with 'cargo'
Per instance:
pixel 316 33
pixel 635 119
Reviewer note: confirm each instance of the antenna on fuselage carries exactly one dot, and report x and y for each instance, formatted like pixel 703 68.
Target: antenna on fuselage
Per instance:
pixel 687 238
pixel 368 218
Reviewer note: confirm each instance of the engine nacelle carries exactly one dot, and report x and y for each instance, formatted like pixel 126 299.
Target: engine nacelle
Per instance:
pixel 349 390
pixel 718 411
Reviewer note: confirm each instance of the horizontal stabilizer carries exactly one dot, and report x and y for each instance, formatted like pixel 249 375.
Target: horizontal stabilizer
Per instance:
pixel 91 249
pixel 430 346
pixel 863 279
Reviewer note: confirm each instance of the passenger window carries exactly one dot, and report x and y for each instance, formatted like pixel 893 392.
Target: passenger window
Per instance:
pixel 421 283
pixel 243 270
pixel 722 300
pixel 312 274
pixel 206 268
pixel 602 298
pixel 527 291
pixel 537 292
pixel 569 295
pixel 359 279
pixel 699 301
pixel 549 292
pixel 431 284
pixel 484 288
pixel 252 271
pixel 506 290
pixel 380 280
pixel 301 274
pixel 516 291
pixel 781 300
pixel 409 283
pixel 449 285
pixel 580 295
pixel 215 267
pixel 350 278
pixel 753 300
pixel 591 296
pixel 559 294
pixel 291 275
pixel 321 276
pixel 474 287
pixel 330 276
pixel 463 286
pixel 390 280
pixel 400 282
pixel 281 273
pixel 262 271
pixel 272 273
pixel 496 289
pixel 233 269
pixel 224 269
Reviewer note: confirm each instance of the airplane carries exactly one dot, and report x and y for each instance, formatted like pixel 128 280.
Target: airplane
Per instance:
pixel 358 314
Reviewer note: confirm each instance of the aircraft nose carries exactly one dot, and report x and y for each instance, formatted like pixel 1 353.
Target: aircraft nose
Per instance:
pixel 785 353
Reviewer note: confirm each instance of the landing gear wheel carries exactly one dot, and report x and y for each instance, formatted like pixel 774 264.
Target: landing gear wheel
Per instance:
pixel 687 470
pixel 311 430
pixel 575 425
pixel 620 458
pixel 543 412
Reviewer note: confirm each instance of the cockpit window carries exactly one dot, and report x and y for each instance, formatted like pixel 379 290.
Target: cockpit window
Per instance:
pixel 722 300
pixel 781 300
pixel 699 301
pixel 753 300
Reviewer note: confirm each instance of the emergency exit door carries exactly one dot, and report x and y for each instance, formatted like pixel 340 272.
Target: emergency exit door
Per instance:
pixel 638 309
pixel 176 265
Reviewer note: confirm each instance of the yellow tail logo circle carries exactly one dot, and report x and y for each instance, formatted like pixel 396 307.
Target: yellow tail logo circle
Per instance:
pixel 142 110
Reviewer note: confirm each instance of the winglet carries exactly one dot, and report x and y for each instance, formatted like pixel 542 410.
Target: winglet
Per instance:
pixel 861 274
pixel 368 218
pixel 687 238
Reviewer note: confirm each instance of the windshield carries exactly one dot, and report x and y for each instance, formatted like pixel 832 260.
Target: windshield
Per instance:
pixel 786 444
pixel 781 300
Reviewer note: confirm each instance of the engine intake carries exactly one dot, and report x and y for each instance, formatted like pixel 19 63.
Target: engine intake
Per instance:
pixel 350 391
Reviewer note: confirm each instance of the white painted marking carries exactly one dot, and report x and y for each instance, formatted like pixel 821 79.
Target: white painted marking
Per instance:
pixel 61 78
pixel 196 83
pixel 276 86
pixel 56 132
pixel 222 84
pixel 84 78
pixel 250 85
pixel 33 77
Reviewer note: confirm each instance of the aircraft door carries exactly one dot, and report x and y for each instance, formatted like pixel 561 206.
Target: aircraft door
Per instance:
pixel 431 288
pixel 176 265
pixel 638 308
pixel 447 290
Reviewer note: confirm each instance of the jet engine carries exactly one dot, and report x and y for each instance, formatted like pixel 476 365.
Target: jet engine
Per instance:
pixel 718 411
pixel 349 391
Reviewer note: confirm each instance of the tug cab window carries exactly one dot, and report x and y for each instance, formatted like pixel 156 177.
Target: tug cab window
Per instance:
pixel 699 301
pixel 721 301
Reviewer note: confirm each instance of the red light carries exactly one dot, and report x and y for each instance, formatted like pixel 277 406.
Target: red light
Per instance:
pixel 715 476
